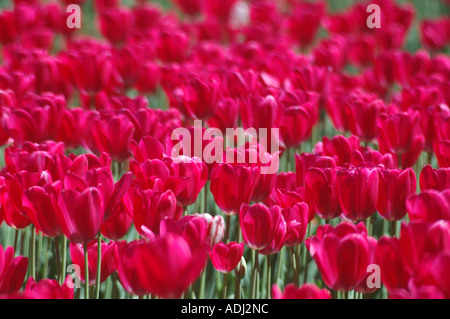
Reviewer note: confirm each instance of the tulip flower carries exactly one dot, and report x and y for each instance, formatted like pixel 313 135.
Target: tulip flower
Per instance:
pixel 117 227
pixel 233 186
pixel 260 224
pixel 49 289
pixel 389 257
pixel 41 203
pixel 395 187
pixel 115 24
pixel 398 130
pixel 108 259
pixel 437 179
pixel 113 136
pixel 306 291
pixel 295 126
pixel 225 257
pixel 150 208
pixel 165 266
pixel 12 271
pixel 342 254
pixel 305 161
pixel 429 205
pixel 81 214
pixel 357 191
pixel 320 185
pixel 297 218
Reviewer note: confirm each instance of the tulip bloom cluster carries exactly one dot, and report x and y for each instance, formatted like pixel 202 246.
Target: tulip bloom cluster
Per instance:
pixel 92 195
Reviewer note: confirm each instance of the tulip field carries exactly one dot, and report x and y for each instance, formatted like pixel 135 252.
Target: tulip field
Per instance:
pixel 224 149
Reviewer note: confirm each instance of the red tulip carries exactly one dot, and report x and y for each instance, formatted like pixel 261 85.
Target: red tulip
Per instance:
pixel 442 150
pixel 81 214
pixel 395 187
pixel 388 257
pixel 305 161
pixel 193 173
pixel 226 257
pixel 430 205
pixel 75 126
pixel 304 22
pixel 398 130
pixel 41 203
pixel 434 34
pixel 342 254
pixel 357 191
pixel 259 224
pixel 117 227
pixel 190 7
pixel 112 135
pixel 12 271
pixel 150 208
pixel 116 24
pixel 295 126
pixel 306 291
pixel 49 289
pixel 437 179
pixel 320 185
pixel 421 241
pixel 201 98
pixel 165 266
pixel 233 186
pixel 108 259
pixel 297 218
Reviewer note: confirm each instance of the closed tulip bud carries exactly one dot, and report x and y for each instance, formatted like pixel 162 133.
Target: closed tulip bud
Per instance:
pixel 242 268
pixel 259 224
pixel 342 254
pixel 307 291
pixel 357 191
pixel 225 257
pixel 108 260
pixel 395 187
pixel 12 271
pixel 437 179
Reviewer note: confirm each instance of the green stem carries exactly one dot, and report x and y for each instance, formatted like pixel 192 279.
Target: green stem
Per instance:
pixel 58 259
pixel 269 277
pixel 33 252
pixel 227 228
pixel 64 258
pixel 16 237
pixel 393 228
pixel 99 265
pixel 201 293
pixel 305 277
pixel 294 267
pixel 225 284
pixel 237 284
pixel 254 288
pixel 86 272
